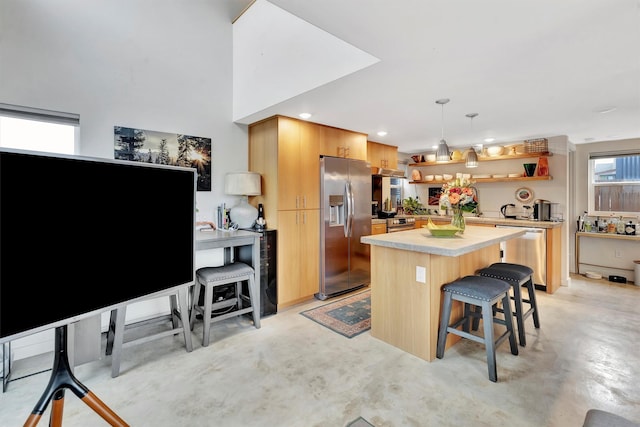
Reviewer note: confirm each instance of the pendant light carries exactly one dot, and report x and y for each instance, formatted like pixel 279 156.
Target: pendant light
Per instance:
pixel 472 156
pixel 442 154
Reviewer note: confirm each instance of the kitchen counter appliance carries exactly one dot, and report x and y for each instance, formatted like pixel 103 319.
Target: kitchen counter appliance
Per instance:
pixel 345 213
pixel 530 250
pixel 507 211
pixel 400 224
pixel 541 210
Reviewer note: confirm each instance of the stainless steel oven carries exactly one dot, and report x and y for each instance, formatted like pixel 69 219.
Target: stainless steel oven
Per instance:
pixel 400 224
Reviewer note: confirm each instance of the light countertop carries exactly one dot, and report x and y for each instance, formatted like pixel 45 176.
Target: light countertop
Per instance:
pixel 421 240
pixel 484 220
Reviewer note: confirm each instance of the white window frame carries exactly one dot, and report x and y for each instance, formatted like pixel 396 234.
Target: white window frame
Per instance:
pixel 41 119
pixel 592 184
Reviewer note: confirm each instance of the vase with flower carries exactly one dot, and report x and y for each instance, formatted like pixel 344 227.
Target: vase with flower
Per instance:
pixel 460 197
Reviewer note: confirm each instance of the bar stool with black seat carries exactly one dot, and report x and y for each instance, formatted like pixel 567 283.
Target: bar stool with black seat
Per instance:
pixel 212 277
pixel 484 293
pixel 517 275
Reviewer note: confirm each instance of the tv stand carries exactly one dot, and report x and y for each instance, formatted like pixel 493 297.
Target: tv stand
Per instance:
pixel 61 378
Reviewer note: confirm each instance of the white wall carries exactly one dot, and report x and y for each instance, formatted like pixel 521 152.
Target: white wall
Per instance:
pixel 156 65
pixel 594 250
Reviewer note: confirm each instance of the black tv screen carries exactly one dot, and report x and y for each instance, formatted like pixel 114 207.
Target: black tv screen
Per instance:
pixel 79 236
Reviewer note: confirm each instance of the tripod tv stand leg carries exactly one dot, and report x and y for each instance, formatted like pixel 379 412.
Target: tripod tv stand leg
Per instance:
pixel 61 378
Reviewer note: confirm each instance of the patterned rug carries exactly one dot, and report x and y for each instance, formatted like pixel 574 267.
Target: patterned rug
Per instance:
pixel 348 316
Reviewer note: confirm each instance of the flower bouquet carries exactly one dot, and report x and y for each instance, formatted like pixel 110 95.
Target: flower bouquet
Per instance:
pixel 460 196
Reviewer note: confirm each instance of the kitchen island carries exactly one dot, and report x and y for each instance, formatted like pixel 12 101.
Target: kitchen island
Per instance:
pixel 408 270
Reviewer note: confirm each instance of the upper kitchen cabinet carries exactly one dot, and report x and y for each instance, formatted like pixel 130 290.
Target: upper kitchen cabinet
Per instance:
pixel 382 155
pixel 286 153
pixel 343 143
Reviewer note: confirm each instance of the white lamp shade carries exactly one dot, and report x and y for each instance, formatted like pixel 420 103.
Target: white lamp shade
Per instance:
pixel 243 184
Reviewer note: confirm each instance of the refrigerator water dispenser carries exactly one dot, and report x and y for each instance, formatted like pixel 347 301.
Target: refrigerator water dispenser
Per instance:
pixel 336 210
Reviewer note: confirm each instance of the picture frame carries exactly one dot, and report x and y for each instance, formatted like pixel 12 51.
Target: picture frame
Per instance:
pixel 147 146
pixel 524 195
pixel 434 196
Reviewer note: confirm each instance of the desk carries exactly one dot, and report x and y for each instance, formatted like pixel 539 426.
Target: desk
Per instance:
pixel 614 253
pixel 229 240
pixel 408 270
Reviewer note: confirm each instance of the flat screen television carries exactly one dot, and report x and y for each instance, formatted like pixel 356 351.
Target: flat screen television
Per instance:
pixel 79 236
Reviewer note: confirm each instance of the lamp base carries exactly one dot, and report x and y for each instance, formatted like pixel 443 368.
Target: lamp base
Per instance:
pixel 243 214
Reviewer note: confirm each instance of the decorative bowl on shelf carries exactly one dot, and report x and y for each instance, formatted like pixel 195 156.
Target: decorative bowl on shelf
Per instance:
pixel 495 151
pixel 431 157
pixel 428 178
pixel 439 177
pixel 447 177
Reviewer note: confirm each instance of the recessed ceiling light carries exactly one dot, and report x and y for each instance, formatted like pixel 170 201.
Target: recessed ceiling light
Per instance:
pixel 489 139
pixel 435 147
pixel 382 133
pixel 304 116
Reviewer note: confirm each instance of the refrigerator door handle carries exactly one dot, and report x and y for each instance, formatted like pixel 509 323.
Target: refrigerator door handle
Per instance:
pixel 348 196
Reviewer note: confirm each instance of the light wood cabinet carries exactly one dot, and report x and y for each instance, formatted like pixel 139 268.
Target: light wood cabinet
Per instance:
pixel 286 152
pixel 343 143
pixel 382 155
pixel 378 228
pixel 298 255
pixel 298 165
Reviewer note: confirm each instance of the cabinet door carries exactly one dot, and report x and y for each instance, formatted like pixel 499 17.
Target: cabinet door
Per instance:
pixel 309 251
pixel 298 255
pixel 289 167
pixel 391 156
pixel 343 143
pixel 309 160
pixel 382 155
pixel 378 228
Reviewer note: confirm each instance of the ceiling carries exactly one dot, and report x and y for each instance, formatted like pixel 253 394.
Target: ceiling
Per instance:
pixel 530 69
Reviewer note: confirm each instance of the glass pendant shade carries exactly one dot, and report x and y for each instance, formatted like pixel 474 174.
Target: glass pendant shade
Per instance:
pixel 472 159
pixel 442 155
pixel 472 156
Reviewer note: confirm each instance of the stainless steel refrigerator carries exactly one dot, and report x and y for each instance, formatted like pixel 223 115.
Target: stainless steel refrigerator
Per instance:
pixel 345 187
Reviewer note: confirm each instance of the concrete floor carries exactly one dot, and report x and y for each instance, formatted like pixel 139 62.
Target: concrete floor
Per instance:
pixel 294 372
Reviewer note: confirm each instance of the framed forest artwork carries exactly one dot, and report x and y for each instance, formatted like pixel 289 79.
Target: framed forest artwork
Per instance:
pixel 140 145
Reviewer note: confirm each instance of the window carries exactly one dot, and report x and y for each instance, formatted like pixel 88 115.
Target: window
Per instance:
pixel 614 183
pixel 38 130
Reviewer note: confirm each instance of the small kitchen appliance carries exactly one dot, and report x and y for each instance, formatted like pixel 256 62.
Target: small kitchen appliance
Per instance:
pixel 542 210
pixel 507 211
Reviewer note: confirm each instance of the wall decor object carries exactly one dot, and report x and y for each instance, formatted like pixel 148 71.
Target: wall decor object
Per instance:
pixel 434 196
pixel 524 195
pixel 161 148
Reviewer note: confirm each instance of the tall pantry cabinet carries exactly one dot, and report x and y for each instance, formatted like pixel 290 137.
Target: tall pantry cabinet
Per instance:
pixel 286 153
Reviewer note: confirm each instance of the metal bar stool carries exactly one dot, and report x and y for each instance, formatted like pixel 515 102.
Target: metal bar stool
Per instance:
pixel 179 317
pixel 211 277
pixel 484 292
pixel 517 276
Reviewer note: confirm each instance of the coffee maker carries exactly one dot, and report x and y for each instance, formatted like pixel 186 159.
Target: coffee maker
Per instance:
pixel 541 210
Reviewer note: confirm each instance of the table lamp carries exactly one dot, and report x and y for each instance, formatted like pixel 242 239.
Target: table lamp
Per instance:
pixel 243 184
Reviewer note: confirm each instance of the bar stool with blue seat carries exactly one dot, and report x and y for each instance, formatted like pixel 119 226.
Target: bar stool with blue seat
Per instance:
pixel 482 292
pixel 212 277
pixel 517 275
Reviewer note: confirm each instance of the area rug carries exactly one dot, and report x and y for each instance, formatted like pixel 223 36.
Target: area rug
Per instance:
pixel 348 316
